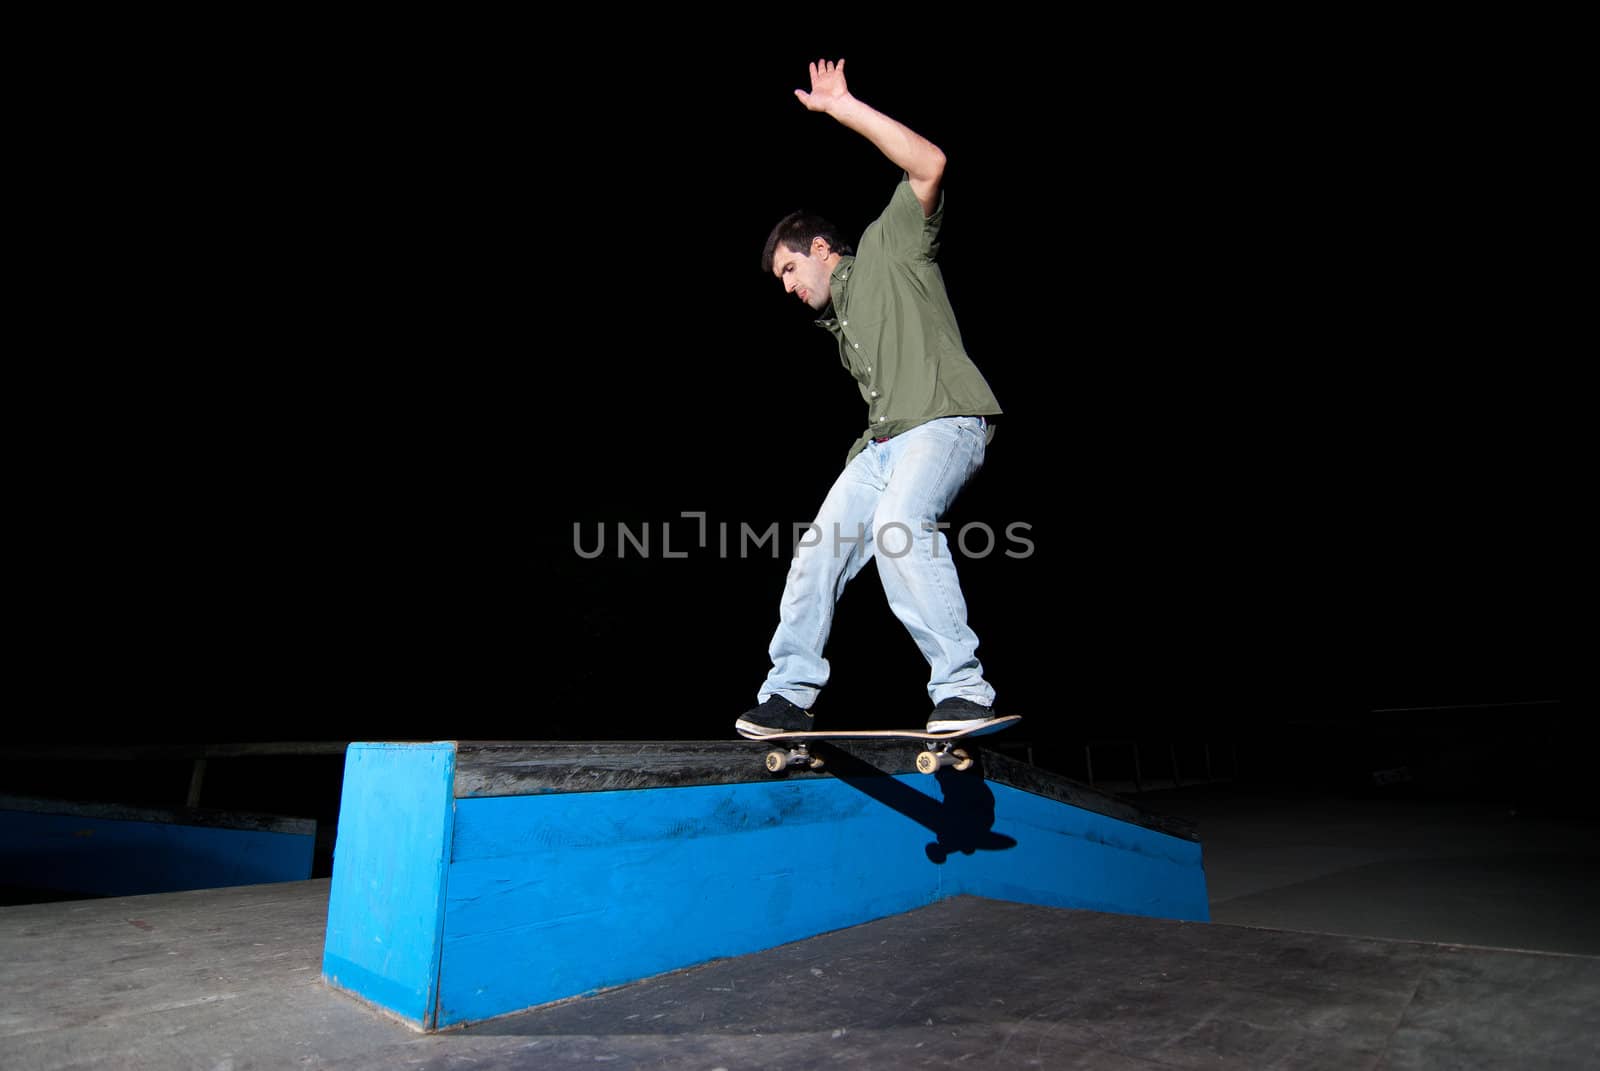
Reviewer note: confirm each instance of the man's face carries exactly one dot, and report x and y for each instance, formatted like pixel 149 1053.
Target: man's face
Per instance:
pixel 804 276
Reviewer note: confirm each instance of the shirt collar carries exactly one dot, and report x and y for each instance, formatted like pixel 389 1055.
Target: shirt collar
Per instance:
pixel 837 280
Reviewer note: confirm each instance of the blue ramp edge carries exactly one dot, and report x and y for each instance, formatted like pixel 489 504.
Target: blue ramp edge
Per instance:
pixel 128 856
pixel 386 900
pixel 545 895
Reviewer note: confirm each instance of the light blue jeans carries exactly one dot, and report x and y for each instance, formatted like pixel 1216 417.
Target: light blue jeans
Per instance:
pixel 884 505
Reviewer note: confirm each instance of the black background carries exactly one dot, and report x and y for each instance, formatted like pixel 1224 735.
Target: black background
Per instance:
pixel 363 329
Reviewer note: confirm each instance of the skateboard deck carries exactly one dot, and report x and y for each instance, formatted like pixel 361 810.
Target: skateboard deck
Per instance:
pixel 930 761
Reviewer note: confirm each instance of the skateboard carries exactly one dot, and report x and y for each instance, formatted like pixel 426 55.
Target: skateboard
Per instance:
pixel 940 751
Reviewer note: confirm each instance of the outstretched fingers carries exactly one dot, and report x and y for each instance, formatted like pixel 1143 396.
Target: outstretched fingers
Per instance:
pixel 826 74
pixel 827 85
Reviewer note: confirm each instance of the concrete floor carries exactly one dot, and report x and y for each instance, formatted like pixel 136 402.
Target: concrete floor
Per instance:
pixel 229 978
pixel 1463 873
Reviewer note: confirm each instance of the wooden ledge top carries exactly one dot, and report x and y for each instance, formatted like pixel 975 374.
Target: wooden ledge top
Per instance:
pixel 525 768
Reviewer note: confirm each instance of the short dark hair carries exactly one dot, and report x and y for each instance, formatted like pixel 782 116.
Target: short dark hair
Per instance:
pixel 796 231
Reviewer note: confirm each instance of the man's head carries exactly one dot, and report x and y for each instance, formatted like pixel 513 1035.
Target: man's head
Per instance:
pixel 801 252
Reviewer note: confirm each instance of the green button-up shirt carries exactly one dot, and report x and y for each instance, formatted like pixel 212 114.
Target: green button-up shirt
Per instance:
pixel 897 333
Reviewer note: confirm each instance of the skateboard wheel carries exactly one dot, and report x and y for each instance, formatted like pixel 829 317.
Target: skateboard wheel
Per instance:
pixel 928 762
pixel 963 761
pixel 777 761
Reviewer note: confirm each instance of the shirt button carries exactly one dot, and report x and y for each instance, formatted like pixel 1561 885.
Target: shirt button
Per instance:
pixel 844 323
pixel 874 394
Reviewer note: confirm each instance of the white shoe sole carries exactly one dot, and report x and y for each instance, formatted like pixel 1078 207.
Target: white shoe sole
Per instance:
pixel 957 726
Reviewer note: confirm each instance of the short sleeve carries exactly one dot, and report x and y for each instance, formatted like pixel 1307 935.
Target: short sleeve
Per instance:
pixel 902 230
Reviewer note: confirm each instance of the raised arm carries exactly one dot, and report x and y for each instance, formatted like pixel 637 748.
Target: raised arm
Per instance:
pixel 920 158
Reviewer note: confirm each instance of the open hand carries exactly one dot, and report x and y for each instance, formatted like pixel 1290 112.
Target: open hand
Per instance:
pixel 827 86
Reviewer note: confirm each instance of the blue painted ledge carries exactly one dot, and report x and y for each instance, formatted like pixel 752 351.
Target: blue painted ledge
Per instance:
pixel 476 880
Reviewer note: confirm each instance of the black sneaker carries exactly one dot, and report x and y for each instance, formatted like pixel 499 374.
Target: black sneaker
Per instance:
pixel 958 715
pixel 775 715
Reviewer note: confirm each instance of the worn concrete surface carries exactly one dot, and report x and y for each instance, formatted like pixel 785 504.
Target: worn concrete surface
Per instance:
pixel 1293 972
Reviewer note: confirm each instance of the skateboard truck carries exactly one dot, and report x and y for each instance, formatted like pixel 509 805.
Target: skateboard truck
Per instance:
pixel 936 758
pixel 780 759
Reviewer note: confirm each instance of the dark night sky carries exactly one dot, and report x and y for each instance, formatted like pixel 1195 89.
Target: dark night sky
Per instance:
pixel 1280 413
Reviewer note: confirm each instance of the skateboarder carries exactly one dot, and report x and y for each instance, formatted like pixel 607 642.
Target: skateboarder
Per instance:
pixel 929 421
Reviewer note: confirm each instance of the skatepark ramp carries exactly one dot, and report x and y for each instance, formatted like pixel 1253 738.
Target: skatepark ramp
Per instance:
pixel 473 880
